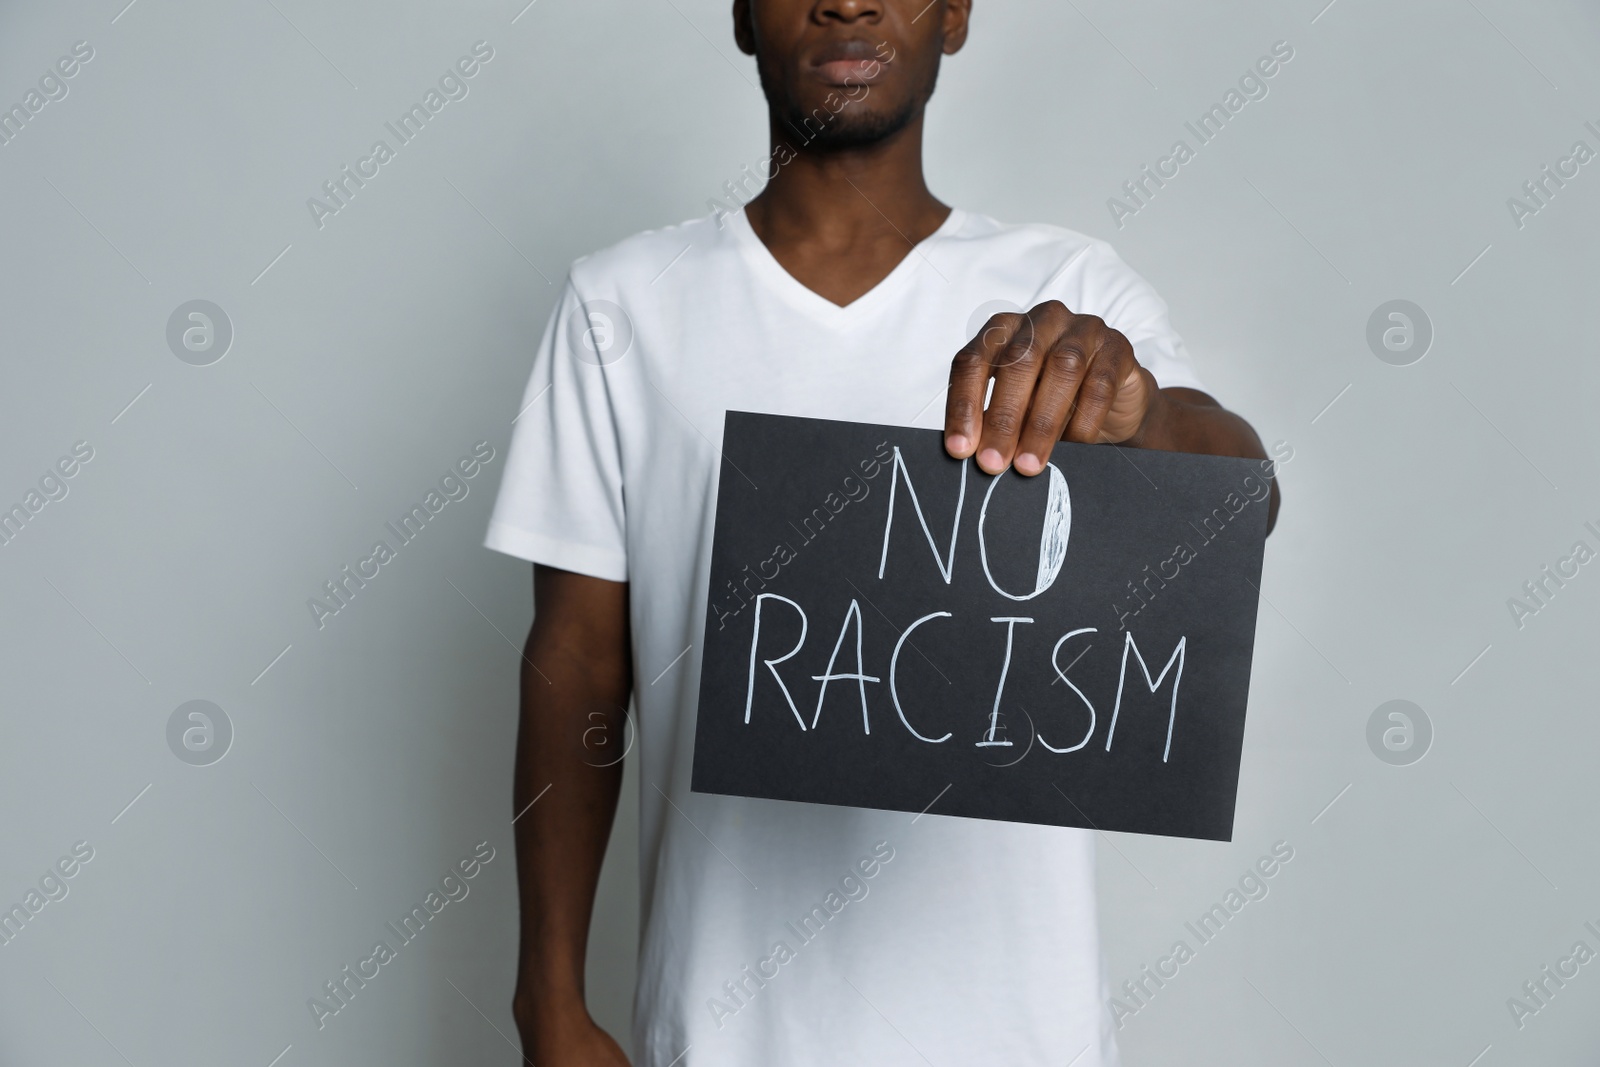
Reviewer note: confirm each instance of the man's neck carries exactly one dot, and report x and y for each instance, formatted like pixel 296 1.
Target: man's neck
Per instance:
pixel 839 220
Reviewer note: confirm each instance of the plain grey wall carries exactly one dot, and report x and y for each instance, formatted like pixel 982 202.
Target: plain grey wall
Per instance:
pixel 370 354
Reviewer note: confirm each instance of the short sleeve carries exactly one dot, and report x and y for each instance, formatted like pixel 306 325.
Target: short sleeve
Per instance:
pixel 561 493
pixel 1130 304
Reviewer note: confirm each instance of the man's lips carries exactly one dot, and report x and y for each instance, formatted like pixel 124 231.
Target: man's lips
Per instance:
pixel 852 71
pixel 851 62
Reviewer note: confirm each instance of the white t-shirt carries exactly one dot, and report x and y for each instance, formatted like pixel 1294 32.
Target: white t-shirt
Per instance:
pixel 779 933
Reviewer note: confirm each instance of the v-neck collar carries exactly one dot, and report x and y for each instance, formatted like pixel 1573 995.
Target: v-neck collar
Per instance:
pixel 795 293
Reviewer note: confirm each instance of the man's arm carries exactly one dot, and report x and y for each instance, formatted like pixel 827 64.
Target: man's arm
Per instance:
pixel 576 679
pixel 1187 420
pixel 1060 376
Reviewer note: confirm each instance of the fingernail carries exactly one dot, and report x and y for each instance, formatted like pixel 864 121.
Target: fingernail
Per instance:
pixel 957 443
pixel 1027 463
pixel 991 460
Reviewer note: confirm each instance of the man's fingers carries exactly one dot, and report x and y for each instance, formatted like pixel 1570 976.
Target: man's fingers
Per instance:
pixel 1056 377
pixel 969 382
pixel 1016 372
pixel 1098 391
pixel 1065 366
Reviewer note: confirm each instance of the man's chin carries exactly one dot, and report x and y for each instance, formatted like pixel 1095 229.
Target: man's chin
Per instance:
pixel 850 128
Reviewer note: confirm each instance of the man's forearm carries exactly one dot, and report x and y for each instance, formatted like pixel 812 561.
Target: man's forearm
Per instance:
pixel 575 687
pixel 1186 420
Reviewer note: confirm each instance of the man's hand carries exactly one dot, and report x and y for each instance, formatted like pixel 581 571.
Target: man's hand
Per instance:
pixel 1065 377
pixel 572 1040
pixel 1057 377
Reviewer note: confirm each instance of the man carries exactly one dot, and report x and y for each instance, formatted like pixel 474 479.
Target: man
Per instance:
pixel 841 291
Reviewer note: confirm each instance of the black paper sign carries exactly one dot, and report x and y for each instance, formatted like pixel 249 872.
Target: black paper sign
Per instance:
pixel 890 628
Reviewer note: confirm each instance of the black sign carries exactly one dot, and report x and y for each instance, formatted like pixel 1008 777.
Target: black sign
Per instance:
pixel 888 627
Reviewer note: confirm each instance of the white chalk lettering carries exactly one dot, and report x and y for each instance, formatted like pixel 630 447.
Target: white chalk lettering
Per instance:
pixel 1031 693
pixel 1052 538
pixel 1056 662
pixel 1176 657
pixel 894 662
pixel 989 740
pixel 946 563
pixel 860 677
pixel 772 664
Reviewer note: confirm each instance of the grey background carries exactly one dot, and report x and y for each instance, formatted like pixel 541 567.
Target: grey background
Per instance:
pixel 371 354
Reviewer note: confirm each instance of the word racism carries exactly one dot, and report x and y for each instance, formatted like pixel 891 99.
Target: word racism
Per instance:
pixel 1539 991
pixel 341 189
pixel 52 486
pixel 341 590
pixel 1541 590
pixel 1543 188
pixel 1252 86
pixel 784 153
pixel 343 987
pixel 1255 491
pixel 1252 887
pixel 52 86
pixel 741 991
pixel 745 591
pixel 52 887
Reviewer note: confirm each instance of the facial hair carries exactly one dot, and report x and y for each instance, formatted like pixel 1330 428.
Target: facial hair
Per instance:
pixel 849 127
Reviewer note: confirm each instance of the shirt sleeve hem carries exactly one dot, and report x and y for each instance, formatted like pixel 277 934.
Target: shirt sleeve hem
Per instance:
pixel 591 560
